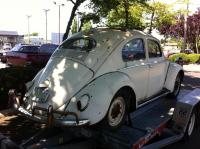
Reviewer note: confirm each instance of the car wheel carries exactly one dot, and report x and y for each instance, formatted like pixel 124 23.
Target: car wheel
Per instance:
pixel 177 87
pixel 116 113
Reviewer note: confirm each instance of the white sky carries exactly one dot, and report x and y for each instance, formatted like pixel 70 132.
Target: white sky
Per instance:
pixel 13 15
pixel 193 4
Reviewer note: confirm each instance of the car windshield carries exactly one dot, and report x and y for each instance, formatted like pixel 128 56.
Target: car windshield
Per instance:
pixel 16 48
pixel 79 44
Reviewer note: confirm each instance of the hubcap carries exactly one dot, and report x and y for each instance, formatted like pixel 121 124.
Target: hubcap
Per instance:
pixel 191 125
pixel 116 111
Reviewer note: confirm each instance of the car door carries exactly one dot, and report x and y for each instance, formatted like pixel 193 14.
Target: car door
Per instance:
pixel 134 57
pixel 158 67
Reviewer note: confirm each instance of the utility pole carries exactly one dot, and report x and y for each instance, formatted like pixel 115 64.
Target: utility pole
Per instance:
pixel 59 5
pixel 185 24
pixel 28 17
pixel 46 10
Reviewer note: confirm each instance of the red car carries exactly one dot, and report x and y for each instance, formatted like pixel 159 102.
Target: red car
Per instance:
pixel 23 55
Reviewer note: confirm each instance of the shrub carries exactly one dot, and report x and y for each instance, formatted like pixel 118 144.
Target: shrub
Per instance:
pixel 14 78
pixel 191 58
pixel 194 58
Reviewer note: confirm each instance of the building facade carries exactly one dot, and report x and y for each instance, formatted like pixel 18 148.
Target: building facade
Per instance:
pixel 10 37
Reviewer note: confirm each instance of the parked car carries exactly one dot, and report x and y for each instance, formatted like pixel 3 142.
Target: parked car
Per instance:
pixel 98 77
pixel 187 51
pixel 7 46
pixel 23 55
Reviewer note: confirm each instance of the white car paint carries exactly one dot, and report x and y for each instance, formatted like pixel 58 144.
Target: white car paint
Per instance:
pixel 71 75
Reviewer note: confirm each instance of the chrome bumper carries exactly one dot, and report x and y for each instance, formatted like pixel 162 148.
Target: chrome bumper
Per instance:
pixel 50 120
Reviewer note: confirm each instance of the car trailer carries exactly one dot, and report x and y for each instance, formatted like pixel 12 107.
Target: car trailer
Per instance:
pixel 154 125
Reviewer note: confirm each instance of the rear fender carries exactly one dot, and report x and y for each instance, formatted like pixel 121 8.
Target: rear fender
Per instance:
pixel 173 70
pixel 101 92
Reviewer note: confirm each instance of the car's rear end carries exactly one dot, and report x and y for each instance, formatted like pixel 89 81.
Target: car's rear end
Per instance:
pixel 17 58
pixel 22 55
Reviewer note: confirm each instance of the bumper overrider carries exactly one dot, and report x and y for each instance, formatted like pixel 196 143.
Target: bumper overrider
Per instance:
pixel 50 120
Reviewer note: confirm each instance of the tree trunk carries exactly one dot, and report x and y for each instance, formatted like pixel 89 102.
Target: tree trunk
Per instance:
pixel 151 22
pixel 126 8
pixel 196 44
pixel 75 7
pixel 81 25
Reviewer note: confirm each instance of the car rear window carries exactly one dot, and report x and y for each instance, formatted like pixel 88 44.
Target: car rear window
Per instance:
pixel 79 44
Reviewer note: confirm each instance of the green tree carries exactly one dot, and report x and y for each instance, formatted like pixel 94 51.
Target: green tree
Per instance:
pixel 87 26
pixel 159 14
pixel 115 7
pixel 76 4
pixel 116 19
pixel 101 8
pixel 87 18
pixel 34 34
pixel 74 26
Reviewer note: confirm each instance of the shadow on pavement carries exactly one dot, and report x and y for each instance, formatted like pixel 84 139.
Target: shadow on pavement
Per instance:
pixel 191 81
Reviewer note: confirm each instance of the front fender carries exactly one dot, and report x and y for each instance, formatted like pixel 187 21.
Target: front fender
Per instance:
pixel 173 71
pixel 101 92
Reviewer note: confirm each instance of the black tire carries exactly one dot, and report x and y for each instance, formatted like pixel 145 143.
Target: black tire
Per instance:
pixel 116 113
pixel 177 87
pixel 190 127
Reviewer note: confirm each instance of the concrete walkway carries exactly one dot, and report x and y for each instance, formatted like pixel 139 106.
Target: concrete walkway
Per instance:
pixel 192 67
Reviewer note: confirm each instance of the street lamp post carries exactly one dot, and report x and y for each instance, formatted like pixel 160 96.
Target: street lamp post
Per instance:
pixel 28 17
pixel 46 10
pixel 59 5
pixel 185 25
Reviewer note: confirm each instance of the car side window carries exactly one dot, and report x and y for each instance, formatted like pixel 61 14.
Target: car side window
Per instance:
pixel 153 49
pixel 133 50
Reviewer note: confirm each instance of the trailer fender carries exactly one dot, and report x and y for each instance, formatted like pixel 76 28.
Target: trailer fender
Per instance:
pixel 184 109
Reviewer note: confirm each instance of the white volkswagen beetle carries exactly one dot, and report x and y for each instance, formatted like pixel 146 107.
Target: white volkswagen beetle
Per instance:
pixel 99 76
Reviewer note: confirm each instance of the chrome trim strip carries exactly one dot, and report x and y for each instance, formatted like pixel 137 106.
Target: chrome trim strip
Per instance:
pixel 153 99
pixel 129 67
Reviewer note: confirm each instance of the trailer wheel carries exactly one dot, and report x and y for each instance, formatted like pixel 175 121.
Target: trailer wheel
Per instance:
pixel 190 127
pixel 177 87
